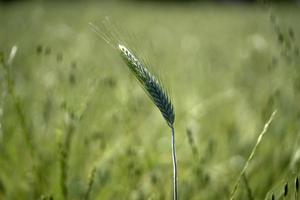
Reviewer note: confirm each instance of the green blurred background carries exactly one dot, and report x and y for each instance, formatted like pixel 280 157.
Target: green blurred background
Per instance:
pixel 69 106
pixel 260 1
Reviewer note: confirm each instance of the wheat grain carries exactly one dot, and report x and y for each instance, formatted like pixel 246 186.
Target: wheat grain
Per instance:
pixel 150 83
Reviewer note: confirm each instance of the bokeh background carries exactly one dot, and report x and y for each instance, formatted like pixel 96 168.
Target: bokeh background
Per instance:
pixel 217 1
pixel 75 124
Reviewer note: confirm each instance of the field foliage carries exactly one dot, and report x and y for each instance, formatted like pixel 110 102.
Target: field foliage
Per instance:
pixel 76 125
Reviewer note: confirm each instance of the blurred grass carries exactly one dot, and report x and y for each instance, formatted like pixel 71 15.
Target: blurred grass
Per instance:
pixel 226 71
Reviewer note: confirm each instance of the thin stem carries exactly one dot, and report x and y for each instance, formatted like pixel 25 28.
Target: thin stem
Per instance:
pixel 267 124
pixel 90 184
pixel 296 188
pixel 249 191
pixel 175 185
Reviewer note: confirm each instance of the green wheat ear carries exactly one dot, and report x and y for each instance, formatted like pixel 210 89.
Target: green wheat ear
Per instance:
pixel 158 95
pixel 150 83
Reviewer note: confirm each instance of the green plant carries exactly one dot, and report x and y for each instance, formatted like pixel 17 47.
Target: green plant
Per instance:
pixel 65 148
pixel 7 66
pixel 90 184
pixel 266 126
pixel 154 89
pixel 157 94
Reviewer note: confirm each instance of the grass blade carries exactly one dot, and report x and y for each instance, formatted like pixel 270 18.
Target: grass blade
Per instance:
pixel 267 124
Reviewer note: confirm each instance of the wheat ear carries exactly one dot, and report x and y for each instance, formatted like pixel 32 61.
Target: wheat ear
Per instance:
pixel 153 87
pixel 150 83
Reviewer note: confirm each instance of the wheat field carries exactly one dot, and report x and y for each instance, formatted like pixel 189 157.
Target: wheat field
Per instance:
pixel 75 124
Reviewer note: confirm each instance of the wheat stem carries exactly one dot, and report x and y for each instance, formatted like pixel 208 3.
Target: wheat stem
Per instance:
pixel 249 191
pixel 10 84
pixel 157 94
pixel 65 148
pixel 152 86
pixel 175 184
pixel 90 184
pixel 252 154
pixel 296 187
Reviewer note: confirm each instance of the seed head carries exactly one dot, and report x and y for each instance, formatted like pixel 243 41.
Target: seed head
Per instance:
pixel 150 83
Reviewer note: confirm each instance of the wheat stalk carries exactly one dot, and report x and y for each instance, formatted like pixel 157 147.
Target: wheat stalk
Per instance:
pixel 10 84
pixel 266 126
pixel 296 187
pixel 158 95
pixel 90 184
pixel 153 88
pixel 65 150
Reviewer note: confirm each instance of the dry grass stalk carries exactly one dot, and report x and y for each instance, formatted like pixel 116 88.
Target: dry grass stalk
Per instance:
pixel 266 126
